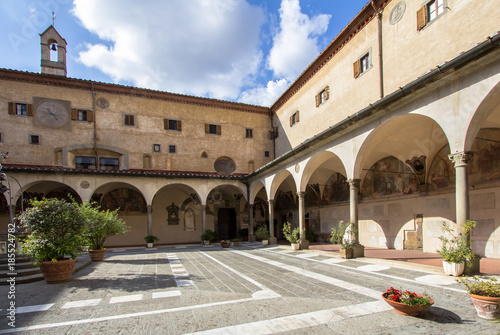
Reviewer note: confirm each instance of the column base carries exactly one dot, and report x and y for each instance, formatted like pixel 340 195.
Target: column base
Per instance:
pixel 251 238
pixel 304 244
pixel 474 268
pixel 358 250
pixel 273 240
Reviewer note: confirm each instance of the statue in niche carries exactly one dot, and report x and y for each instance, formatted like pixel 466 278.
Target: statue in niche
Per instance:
pixel 189 220
pixel 173 214
pixel 258 213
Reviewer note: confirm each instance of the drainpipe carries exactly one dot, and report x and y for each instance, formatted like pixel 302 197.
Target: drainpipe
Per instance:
pixel 95 128
pixel 272 135
pixel 380 54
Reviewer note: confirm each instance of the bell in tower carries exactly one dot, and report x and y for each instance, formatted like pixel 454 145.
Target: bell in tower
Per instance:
pixel 53 52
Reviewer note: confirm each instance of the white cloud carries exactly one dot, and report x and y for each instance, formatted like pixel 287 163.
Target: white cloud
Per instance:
pixel 199 47
pixel 295 46
pixel 265 96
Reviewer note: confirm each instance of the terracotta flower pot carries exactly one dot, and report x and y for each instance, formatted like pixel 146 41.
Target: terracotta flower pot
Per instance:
pixel 58 272
pixel 97 255
pixel 486 307
pixel 405 309
pixel 225 245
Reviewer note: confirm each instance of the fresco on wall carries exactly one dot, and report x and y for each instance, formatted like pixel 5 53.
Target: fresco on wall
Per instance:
pixel 312 196
pixel 389 176
pixel 442 171
pixel 284 201
pixel 125 199
pixel 485 164
pixel 336 189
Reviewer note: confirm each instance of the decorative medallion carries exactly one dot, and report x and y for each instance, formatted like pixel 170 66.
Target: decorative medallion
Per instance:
pixel 397 12
pixel 84 184
pixel 297 167
pixel 102 103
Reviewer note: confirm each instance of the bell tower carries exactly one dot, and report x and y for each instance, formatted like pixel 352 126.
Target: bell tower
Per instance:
pixel 53 52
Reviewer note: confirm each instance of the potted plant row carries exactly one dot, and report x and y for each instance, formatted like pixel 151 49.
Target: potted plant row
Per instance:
pixel 455 249
pixel 58 230
pixel 292 235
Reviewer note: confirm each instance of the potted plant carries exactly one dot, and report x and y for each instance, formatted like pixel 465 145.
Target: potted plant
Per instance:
pixel 243 232
pixel 99 225
pixel 225 243
pixel 150 240
pixel 236 241
pixel 485 295
pixel 262 234
pixel 54 230
pixel 292 235
pixel 455 248
pixel 343 234
pixel 208 236
pixel 407 302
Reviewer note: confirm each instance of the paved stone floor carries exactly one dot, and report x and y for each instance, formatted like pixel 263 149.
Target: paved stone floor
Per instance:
pixel 246 290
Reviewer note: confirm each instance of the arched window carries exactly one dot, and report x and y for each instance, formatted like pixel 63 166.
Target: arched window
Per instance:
pixel 224 165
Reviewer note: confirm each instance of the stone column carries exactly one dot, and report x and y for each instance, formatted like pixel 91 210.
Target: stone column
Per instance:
pixel 304 243
pixel 149 209
pixel 358 250
pixel 272 237
pixel 237 201
pixel 203 219
pixel 251 236
pixel 460 161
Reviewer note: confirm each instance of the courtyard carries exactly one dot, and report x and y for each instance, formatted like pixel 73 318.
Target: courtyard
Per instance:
pixel 246 290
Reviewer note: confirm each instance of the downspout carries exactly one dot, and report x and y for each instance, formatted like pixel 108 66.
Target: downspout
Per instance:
pixel 272 134
pixel 380 53
pixel 95 128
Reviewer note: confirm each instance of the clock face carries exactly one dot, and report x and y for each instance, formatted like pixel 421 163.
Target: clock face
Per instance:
pixel 52 114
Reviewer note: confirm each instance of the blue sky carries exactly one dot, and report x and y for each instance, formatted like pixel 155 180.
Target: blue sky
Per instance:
pixel 238 50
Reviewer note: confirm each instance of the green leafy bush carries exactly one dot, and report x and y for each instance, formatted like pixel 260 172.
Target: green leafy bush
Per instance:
pixel 485 288
pixel 209 235
pixel 151 239
pixel 55 229
pixel 262 233
pixel 99 225
pixel 343 234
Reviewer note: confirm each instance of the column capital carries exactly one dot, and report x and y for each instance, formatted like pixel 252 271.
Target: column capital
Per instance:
pixel 460 159
pixel 354 183
pixel 301 194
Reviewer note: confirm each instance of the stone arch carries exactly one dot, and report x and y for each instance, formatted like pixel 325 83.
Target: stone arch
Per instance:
pixel 45 188
pixel 319 169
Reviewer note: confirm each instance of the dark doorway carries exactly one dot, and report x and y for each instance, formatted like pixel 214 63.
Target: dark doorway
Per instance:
pixel 226 225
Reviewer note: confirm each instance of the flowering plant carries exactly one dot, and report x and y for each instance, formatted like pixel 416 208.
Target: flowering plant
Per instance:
pixel 343 234
pixel 407 297
pixel 225 242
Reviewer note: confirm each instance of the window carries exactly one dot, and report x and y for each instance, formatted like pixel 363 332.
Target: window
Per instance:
pixel 322 96
pixel 273 133
pixel 225 165
pixel 248 133
pixel 294 118
pixel 172 149
pixel 108 163
pixel 89 163
pixel 156 148
pixel 128 120
pixel 212 129
pixel 172 124
pixel 266 153
pixel 362 65
pixel 82 115
pixel 34 139
pixel 1 137
pixel 85 163
pixel 20 109
pixel 429 12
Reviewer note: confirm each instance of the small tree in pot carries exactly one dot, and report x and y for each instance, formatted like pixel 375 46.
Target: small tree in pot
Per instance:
pixel 262 234
pixel 55 229
pixel 455 249
pixel 99 225
pixel 150 240
pixel 292 235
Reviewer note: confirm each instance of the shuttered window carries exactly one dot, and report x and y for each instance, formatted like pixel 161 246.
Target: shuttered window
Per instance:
pixel 361 65
pixel 429 12
pixel 214 129
pixel 170 124
pixel 294 118
pixel 129 120
pixel 82 115
pixel 322 96
pixel 20 109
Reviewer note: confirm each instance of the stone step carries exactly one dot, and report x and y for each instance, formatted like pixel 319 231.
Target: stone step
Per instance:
pixel 18 265
pixel 19 259
pixel 21 272
pixel 81 262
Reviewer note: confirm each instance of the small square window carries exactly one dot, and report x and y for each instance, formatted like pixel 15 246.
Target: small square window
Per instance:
pixel 85 163
pixel 248 133
pixel 212 129
pixel 172 124
pixel 21 109
pixel 81 115
pixel 34 139
pixel 156 148
pixel 429 12
pixel 322 96
pixel 129 120
pixel 109 164
pixel 294 118
pixel 362 65
pixel 266 153
pixel 171 149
